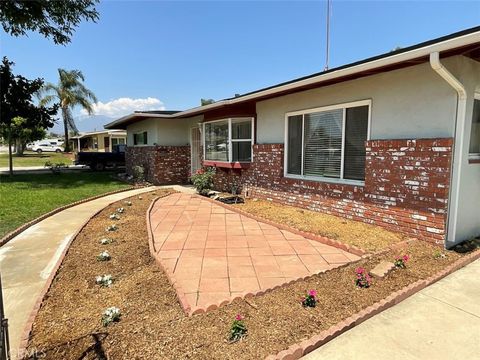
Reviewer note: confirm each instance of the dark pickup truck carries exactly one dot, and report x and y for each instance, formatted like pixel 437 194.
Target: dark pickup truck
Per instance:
pixel 98 161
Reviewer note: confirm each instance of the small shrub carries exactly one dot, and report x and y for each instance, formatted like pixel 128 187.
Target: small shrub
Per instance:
pixel 439 255
pixel 104 281
pixel 120 210
pixel 401 261
pixel 363 279
pixel 111 314
pixel 138 172
pixel 128 203
pixel 310 300
pixel 112 227
pixel 203 179
pixel 106 241
pixel 104 256
pixel 238 330
pixel 114 217
pixel 140 198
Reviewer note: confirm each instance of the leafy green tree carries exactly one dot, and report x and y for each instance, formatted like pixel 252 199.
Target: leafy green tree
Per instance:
pixel 52 18
pixel 23 132
pixel 204 102
pixel 17 110
pixel 69 92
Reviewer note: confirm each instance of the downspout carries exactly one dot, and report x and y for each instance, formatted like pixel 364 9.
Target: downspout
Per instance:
pixel 454 193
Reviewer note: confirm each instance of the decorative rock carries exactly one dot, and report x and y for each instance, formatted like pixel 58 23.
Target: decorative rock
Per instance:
pixel 382 269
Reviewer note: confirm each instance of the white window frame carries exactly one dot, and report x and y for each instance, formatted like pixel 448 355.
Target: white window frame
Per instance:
pixel 475 155
pixel 343 106
pixel 230 140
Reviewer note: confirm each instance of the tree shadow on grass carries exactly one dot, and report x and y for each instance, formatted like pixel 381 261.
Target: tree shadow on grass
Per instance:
pixel 59 181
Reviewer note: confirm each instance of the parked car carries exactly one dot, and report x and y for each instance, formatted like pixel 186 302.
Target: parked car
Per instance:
pixel 47 147
pixel 98 161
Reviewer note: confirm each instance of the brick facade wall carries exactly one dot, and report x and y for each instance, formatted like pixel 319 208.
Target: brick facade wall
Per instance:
pixel 164 165
pixel 406 186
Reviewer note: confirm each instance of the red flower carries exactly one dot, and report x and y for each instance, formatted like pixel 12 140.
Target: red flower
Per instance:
pixel 239 317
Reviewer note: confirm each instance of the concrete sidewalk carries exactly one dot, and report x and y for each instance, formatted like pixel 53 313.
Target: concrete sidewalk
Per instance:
pixel 441 321
pixel 28 259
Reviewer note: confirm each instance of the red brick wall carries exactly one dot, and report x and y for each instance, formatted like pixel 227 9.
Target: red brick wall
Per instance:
pixel 406 186
pixel 163 165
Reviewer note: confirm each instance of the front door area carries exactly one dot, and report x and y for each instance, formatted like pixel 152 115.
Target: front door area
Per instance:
pixel 195 146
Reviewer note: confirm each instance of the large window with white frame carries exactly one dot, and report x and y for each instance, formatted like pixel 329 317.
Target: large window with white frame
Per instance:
pixel 228 140
pixel 474 150
pixel 328 143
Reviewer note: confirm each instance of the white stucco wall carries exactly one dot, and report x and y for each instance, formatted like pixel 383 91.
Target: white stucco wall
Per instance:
pixel 407 103
pixel 468 224
pixel 168 132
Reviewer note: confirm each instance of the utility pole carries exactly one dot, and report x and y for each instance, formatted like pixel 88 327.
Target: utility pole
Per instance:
pixel 328 36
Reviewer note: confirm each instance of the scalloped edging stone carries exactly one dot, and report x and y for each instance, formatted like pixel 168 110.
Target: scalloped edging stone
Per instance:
pixel 38 304
pixel 296 351
pixel 25 226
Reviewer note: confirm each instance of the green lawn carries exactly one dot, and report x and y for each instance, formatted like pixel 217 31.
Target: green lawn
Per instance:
pixel 33 159
pixel 25 197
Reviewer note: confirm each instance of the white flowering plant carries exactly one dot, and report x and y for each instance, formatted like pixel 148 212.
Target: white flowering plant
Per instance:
pixel 103 256
pixel 111 314
pixel 105 280
pixel 112 227
pixel 114 217
pixel 106 241
pixel 120 210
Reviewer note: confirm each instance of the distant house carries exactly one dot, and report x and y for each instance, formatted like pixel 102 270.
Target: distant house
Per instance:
pixel 392 140
pixel 102 141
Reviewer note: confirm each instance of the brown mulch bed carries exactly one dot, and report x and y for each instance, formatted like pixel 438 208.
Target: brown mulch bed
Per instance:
pixel 368 237
pixel 153 325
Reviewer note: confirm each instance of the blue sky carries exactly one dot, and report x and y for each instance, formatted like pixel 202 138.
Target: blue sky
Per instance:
pixel 178 52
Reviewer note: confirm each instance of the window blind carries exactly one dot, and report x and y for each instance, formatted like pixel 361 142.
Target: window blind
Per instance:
pixel 294 163
pixel 318 143
pixel 323 143
pixel 356 128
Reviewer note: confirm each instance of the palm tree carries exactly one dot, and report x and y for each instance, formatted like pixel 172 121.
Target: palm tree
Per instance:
pixel 69 92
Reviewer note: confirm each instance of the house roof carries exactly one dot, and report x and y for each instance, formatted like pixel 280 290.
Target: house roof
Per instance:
pixel 465 42
pixel 110 132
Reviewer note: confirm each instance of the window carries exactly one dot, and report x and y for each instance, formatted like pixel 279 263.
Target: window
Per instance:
pixel 140 138
pixel 328 142
pixel 118 141
pixel 228 140
pixel 475 131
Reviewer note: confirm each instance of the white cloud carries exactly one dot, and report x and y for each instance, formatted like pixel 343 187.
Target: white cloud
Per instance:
pixel 124 106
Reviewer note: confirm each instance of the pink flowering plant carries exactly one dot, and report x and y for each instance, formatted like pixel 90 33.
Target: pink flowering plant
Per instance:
pixel 238 330
pixel 363 279
pixel 401 261
pixel 203 179
pixel 310 300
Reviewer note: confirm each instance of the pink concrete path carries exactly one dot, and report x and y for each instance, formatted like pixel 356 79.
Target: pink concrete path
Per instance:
pixel 215 253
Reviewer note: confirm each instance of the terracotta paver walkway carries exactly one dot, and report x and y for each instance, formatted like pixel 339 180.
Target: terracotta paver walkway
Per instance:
pixel 215 253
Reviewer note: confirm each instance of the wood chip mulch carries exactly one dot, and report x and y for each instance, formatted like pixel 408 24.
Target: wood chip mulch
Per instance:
pixel 153 325
pixel 370 238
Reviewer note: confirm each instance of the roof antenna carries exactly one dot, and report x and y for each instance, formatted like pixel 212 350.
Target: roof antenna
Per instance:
pixel 328 36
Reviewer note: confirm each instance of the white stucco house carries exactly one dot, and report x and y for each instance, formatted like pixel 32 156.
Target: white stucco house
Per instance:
pixel 392 140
